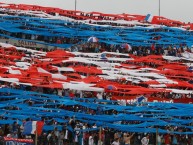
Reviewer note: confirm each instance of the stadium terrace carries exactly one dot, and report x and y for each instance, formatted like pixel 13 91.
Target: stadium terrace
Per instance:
pixel 76 78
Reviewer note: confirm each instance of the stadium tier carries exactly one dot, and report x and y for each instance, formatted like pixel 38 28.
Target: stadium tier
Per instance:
pixel 94 78
pixel 35 26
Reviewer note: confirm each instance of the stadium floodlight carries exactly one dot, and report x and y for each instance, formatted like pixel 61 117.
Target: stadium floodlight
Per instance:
pixel 159 8
pixel 75 5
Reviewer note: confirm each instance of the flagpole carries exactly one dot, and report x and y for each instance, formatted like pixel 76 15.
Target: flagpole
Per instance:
pixel 36 137
pixel 157 135
pixel 100 136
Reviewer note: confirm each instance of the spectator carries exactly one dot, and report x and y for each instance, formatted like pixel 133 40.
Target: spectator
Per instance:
pixel 145 140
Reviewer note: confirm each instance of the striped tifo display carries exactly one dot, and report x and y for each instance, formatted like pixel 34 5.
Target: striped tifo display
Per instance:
pixel 148 116
pixel 108 89
pixel 124 76
pixel 19 23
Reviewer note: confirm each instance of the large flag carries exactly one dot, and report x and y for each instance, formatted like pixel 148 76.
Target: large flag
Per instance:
pixel 31 127
pixel 149 18
pixel 141 99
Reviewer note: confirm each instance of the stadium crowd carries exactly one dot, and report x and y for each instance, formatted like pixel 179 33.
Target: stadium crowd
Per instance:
pixel 72 130
pixel 71 133
pixel 79 132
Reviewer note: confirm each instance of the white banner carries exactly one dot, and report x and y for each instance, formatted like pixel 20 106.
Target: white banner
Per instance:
pixel 26 44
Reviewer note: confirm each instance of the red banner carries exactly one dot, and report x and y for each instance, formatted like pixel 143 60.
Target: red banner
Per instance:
pixel 14 141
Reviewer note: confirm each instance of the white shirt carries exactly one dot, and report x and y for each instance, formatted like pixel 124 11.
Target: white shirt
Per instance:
pixel 90 140
pixel 99 96
pixel 56 133
pixel 80 93
pixel 144 141
pixel 9 135
pixel 66 135
pixel 94 126
pixel 159 138
pixel 59 92
pixel 165 52
pixel 115 143
pixel 48 137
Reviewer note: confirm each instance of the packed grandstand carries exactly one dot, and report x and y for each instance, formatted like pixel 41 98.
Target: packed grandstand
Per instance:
pixel 95 78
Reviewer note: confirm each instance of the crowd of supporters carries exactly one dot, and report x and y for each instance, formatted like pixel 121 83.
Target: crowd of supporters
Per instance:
pixel 70 133
pixel 136 50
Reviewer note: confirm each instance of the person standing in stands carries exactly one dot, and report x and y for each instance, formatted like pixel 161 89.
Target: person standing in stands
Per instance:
pixel 116 142
pixel 1 131
pixel 167 139
pixel 42 139
pixel 14 126
pixel 61 138
pixel 159 139
pixel 107 135
pixel 127 138
pixel 14 135
pixel 52 139
pixel 153 48
pixel 174 140
pixel 152 139
pixel 91 140
pixel 145 140
pixel 137 139
pixel 68 135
